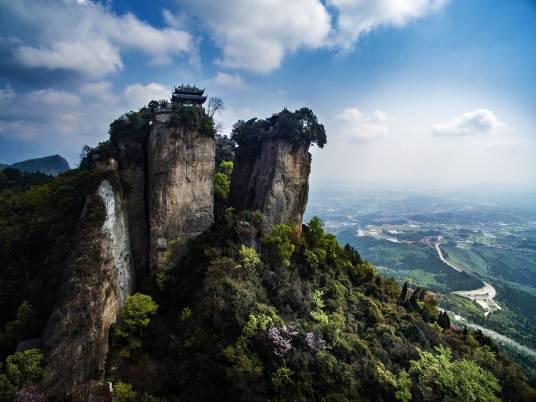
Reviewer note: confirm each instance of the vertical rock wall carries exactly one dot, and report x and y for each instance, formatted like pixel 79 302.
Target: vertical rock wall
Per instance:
pixel 98 277
pixel 273 177
pixel 131 154
pixel 160 189
pixel 180 171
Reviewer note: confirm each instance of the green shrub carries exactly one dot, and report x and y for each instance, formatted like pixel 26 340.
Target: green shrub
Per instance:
pixel 134 316
pixel 248 257
pixel 438 376
pixel 124 392
pixel 24 368
pixel 278 246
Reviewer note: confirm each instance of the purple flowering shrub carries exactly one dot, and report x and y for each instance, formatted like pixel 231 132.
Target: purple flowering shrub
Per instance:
pixel 314 343
pixel 281 338
pixel 30 393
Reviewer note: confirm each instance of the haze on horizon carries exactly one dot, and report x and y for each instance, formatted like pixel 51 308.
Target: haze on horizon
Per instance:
pixel 423 94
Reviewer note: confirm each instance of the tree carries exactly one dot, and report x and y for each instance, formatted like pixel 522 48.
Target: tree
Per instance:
pixel 123 392
pixel 315 232
pixel 403 294
pixel 225 149
pixel 444 320
pixel 153 105
pixel 24 368
pixel 440 378
pixel 22 326
pixel 215 104
pixel 248 257
pixel 135 315
pixel 222 185
pixel 298 127
pixel 222 179
pixel 278 247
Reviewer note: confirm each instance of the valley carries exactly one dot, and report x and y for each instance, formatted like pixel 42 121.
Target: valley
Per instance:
pixel 480 258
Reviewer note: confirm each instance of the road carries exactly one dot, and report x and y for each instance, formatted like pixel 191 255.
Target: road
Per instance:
pixel 500 338
pixel 440 254
pixel 482 296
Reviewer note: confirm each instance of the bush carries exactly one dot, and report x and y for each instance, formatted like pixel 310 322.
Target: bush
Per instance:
pixel 31 393
pixel 192 117
pixel 123 392
pixel 24 368
pixel 278 247
pixel 438 376
pixel 248 257
pixel 133 318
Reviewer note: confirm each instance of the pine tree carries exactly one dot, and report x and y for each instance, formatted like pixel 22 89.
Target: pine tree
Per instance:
pixel 403 294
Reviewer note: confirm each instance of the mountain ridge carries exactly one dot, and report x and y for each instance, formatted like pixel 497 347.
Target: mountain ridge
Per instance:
pixel 51 165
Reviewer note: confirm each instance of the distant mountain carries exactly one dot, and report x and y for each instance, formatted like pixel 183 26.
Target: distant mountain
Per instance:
pixel 3 166
pixel 52 165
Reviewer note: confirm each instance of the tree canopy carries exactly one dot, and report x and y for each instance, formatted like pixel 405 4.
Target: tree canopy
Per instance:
pixel 298 127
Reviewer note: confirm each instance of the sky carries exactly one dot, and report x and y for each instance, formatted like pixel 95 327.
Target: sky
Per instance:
pixel 421 94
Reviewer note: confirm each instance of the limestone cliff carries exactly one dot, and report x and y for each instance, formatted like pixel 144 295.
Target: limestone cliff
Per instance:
pixel 180 170
pixel 272 176
pixel 131 155
pixel 98 277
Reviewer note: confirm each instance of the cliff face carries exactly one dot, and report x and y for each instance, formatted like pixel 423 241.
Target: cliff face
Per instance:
pixel 180 170
pixel 131 154
pixel 272 177
pixel 98 277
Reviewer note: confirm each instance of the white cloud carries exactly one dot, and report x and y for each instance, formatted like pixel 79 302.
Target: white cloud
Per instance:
pixel 257 35
pixel 54 98
pixel 101 92
pixel 230 81
pixel 138 95
pixel 476 122
pixel 92 57
pixel 64 121
pixel 87 37
pixel 359 127
pixel 358 17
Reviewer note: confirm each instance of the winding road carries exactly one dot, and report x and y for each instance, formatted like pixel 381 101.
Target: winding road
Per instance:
pixel 482 296
pixel 500 338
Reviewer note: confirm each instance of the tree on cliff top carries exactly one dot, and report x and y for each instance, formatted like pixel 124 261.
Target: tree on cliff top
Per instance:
pixel 299 127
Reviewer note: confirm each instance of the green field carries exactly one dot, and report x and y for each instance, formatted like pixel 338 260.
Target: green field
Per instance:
pixel 417 261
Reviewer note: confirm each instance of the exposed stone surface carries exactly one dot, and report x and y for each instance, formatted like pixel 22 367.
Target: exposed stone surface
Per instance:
pixel 98 277
pixel 180 169
pixel 131 154
pixel 272 177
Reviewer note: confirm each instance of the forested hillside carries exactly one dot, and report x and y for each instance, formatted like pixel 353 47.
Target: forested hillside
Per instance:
pixel 240 312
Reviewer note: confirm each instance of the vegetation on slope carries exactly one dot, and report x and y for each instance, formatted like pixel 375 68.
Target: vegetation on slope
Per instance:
pixel 300 318
pixel 38 229
pixel 290 316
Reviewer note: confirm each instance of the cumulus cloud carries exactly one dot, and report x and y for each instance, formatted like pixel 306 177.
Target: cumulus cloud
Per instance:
pixel 85 37
pixel 257 35
pixel 470 123
pixel 69 119
pixel 357 17
pixel 230 81
pixel 138 95
pixel 357 126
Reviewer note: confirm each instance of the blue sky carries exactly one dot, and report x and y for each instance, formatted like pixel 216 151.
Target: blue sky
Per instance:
pixel 422 93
